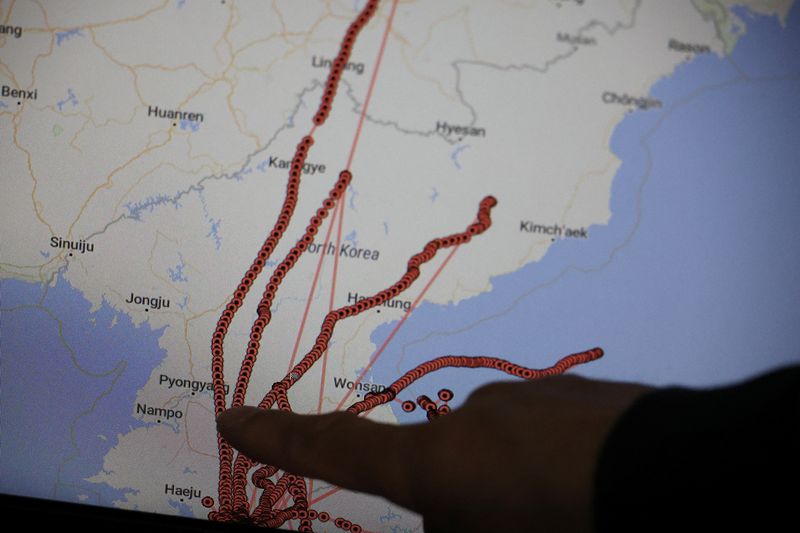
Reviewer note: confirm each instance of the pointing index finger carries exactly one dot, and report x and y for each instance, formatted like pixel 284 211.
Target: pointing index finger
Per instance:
pixel 341 448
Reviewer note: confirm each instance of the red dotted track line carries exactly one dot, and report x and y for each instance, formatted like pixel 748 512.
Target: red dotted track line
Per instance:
pixel 337 68
pixel 263 309
pixel 264 316
pixel 396 328
pixel 277 393
pixel 412 273
pixel 266 515
pixel 234 504
pixel 287 210
pixel 285 216
pixel 312 289
pixel 374 399
pixel 221 330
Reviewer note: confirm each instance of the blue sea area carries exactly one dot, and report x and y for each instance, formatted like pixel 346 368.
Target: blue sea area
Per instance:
pixel 69 383
pixel 695 280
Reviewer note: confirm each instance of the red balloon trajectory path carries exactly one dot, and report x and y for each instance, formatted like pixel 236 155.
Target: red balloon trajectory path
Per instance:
pixel 284 496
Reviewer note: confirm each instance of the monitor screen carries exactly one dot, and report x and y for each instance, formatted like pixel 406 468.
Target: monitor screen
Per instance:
pixel 374 206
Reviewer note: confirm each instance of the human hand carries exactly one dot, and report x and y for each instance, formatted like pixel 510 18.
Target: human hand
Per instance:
pixel 516 456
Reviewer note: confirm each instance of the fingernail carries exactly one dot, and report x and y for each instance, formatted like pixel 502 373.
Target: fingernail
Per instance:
pixel 232 419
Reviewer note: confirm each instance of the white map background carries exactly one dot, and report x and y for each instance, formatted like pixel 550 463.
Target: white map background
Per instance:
pixel 177 210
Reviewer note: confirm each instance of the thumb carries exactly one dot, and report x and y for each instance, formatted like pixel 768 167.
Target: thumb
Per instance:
pixel 341 448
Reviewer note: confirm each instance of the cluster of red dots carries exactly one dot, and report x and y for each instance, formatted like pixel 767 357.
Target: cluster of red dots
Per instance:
pixel 260 477
pixel 337 68
pixel 264 315
pixel 432 409
pixel 484 221
pixel 266 515
pixel 234 504
pixel 221 330
pixel 264 253
pixel 226 475
pixel 347 525
pixel 277 393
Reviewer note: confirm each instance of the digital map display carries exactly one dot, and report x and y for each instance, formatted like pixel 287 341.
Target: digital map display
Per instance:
pixel 373 206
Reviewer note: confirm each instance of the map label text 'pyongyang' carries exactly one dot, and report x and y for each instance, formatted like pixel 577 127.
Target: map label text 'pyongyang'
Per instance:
pixel 191 384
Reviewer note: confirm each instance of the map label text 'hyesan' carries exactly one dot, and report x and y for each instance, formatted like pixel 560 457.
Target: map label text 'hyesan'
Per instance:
pixel 448 129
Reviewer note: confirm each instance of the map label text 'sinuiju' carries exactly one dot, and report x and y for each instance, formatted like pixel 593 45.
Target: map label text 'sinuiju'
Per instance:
pixel 65 244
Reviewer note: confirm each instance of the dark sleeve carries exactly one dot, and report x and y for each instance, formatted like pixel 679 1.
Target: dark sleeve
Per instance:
pixel 714 460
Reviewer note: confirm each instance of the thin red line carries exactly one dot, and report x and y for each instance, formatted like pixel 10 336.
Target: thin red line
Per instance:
pixel 356 138
pixel 324 495
pixel 311 292
pixel 398 326
pixel 282 501
pixel 330 304
pixel 330 308
pixel 336 255
pixel 371 85
pixel 341 209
